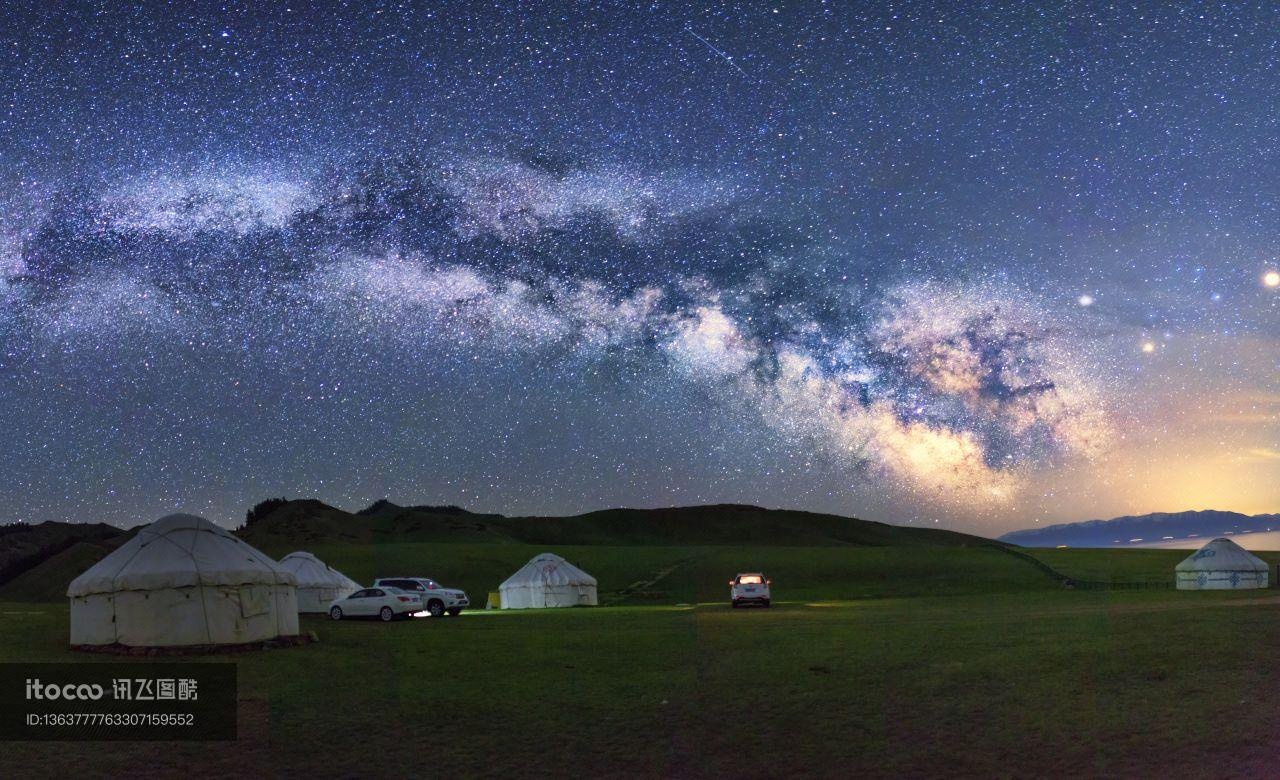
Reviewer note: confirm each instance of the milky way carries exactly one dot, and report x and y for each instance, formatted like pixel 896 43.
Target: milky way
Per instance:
pixel 977 268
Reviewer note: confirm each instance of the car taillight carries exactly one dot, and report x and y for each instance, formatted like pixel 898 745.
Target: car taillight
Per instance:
pixel 403 598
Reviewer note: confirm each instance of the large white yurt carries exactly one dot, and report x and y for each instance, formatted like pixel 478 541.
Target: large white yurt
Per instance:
pixel 548 581
pixel 1222 565
pixel 183 581
pixel 318 582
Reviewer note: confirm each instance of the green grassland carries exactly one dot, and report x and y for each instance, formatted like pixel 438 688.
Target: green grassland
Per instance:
pixel 888 653
pixel 1111 565
pixel 687 574
pixel 1038 683
pixel 640 575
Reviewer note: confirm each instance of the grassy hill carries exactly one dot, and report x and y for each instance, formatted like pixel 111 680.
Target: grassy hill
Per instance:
pixel 48 580
pixel 674 555
pixel 1123 565
pixel 22 546
pixel 39 560
pixel 310 521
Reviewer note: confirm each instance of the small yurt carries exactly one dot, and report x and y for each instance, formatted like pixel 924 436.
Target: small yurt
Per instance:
pixel 318 583
pixel 548 581
pixel 1222 565
pixel 183 581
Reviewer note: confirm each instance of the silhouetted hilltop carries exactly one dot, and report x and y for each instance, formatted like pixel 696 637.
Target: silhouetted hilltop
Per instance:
pixel 718 524
pixel 26 548
pixel 384 507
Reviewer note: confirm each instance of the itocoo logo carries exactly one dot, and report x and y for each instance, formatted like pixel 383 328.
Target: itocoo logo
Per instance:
pixel 71 691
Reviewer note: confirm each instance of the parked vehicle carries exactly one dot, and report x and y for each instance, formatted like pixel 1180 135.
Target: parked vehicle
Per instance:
pixel 437 599
pixel 749 588
pixel 384 603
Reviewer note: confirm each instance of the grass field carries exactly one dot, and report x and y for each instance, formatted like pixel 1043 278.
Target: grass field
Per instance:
pixel 875 661
pixel 688 574
pixel 1034 683
pixel 1101 565
pixel 675 574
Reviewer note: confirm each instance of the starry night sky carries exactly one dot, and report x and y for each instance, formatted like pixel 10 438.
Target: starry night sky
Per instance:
pixel 976 266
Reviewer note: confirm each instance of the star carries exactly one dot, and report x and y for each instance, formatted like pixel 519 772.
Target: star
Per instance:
pixel 501 260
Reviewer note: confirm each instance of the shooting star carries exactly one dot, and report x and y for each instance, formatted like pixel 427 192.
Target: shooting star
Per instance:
pixel 722 55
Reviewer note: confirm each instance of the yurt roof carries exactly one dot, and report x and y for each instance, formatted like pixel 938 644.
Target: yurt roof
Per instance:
pixel 180 551
pixel 1222 555
pixel 313 572
pixel 548 569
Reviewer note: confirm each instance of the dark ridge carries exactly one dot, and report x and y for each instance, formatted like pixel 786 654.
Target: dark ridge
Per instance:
pixel 313 503
pixel 383 506
pixel 304 523
pixel 449 509
pixel 378 507
pixel 24 547
pixel 263 508
pixel 50 525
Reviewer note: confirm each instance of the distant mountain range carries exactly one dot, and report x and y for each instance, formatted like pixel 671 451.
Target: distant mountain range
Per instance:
pixel 1140 530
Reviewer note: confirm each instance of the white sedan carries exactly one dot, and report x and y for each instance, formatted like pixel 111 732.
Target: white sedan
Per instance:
pixel 384 603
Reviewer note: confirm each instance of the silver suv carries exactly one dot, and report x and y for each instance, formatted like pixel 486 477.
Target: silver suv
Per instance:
pixel 438 599
pixel 750 588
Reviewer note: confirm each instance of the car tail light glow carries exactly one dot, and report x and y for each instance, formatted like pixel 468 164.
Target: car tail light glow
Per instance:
pixel 403 598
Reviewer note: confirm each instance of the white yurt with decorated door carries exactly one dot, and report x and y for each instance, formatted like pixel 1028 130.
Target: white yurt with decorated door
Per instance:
pixel 1222 565
pixel 548 581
